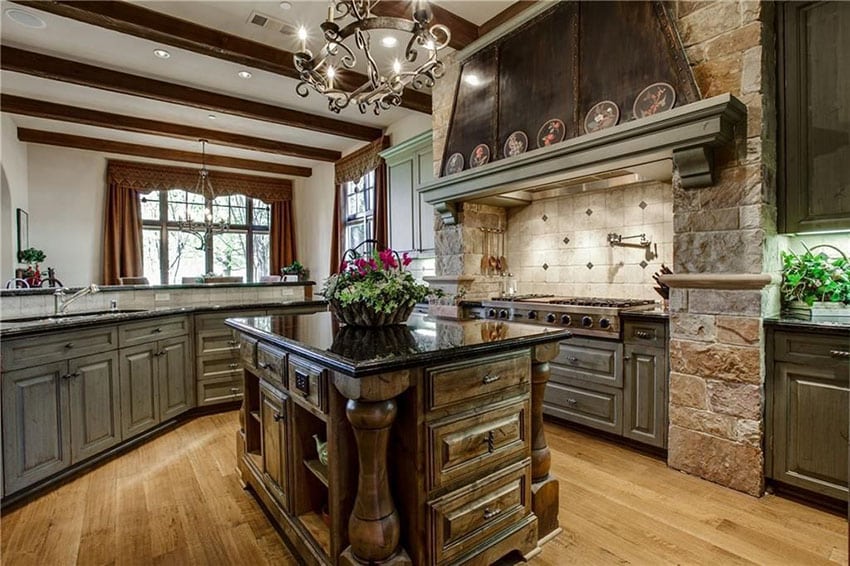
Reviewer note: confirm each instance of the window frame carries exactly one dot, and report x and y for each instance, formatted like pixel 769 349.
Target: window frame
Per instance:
pixel 365 185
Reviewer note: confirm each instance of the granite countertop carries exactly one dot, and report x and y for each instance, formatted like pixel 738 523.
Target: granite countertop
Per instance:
pixel 82 320
pixel 791 322
pixel 111 288
pixel 657 313
pixel 423 340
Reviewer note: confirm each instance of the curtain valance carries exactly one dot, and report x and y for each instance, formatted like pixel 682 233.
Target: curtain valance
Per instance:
pixel 355 165
pixel 145 177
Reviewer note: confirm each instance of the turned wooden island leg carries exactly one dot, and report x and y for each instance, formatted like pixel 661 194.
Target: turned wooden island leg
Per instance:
pixel 544 487
pixel 374 527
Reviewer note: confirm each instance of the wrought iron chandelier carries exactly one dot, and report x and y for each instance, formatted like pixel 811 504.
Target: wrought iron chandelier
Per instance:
pixel 205 230
pixel 384 88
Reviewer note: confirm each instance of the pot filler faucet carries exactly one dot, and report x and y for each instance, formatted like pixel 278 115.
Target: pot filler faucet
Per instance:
pixel 60 303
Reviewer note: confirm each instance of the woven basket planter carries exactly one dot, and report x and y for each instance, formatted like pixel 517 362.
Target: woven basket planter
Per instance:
pixel 362 314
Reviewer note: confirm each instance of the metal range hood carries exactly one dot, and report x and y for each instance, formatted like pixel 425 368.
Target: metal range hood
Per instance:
pixel 644 149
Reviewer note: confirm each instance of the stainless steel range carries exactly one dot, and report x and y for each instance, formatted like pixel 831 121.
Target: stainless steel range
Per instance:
pixel 585 316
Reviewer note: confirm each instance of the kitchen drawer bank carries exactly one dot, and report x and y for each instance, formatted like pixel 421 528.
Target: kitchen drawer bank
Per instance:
pixel 74 394
pixel 433 433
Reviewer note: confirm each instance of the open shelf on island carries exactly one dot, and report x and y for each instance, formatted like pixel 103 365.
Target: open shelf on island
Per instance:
pixel 317 528
pixel 319 470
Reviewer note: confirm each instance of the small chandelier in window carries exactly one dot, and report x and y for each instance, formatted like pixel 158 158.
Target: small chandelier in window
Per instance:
pixel 205 230
pixel 383 89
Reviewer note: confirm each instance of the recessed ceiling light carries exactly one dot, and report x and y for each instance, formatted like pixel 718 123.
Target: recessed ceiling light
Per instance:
pixel 389 41
pixel 161 53
pixel 244 74
pixel 26 19
pixel 286 5
pixel 211 116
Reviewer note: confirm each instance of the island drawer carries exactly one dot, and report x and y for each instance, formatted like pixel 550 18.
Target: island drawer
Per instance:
pixel 811 348
pixel 308 384
pixel 272 362
pixel 599 408
pixel 217 366
pixel 219 390
pixel 215 321
pixel 466 381
pixel 642 332
pixel 46 348
pixel 152 330
pixel 216 342
pixel 460 520
pixel 474 443
pixel 248 351
pixel 589 360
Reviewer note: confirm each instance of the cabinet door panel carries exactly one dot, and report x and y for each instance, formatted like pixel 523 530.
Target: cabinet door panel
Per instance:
pixel 401 206
pixel 174 369
pixel 139 389
pixel 273 418
pixel 36 441
pixel 426 211
pixel 95 404
pixel 645 395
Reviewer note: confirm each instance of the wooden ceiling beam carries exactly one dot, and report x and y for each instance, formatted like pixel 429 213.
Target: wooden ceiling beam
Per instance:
pixel 107 146
pixel 135 20
pixel 49 67
pixel 54 111
pixel 508 13
pixel 463 31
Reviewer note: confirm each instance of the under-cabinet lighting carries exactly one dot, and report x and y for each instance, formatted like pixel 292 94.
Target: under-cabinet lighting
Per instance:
pixel 162 53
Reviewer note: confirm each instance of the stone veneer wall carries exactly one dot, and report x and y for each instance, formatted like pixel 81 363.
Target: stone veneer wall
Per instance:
pixel 716 343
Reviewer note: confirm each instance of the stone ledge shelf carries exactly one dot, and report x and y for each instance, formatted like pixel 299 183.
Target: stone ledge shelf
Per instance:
pixel 727 281
pixel 687 135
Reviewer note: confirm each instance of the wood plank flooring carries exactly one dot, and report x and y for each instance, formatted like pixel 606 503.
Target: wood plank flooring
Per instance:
pixel 176 500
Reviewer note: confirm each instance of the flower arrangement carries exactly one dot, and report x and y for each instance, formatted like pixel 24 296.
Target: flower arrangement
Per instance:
pixel 374 290
pixel 811 277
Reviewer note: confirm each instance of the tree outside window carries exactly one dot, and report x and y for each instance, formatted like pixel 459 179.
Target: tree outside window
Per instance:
pixel 170 254
pixel 358 210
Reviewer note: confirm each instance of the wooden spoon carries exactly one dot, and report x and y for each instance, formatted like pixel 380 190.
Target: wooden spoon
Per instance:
pixel 503 261
pixel 485 258
pixel 492 257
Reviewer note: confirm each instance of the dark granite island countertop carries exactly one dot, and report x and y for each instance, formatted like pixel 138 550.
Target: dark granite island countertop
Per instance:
pixel 434 447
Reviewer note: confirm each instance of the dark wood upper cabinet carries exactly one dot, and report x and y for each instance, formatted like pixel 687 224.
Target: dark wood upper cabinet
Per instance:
pixel 814 128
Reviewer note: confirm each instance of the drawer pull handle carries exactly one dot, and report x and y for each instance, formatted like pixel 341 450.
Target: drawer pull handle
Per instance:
pixel 642 334
pixel 278 417
pixel 69 345
pixel 157 330
pixel 234 391
pixel 571 401
pixel 234 365
pixel 71 375
pixel 491 379
pixel 839 354
pixel 158 354
pixel 490 513
pixel 264 365
pixel 627 358
pixel 233 343
pixel 490 439
pixel 573 359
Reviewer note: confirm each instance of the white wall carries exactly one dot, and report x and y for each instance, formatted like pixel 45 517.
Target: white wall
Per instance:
pixel 408 127
pixel 312 208
pixel 13 162
pixel 67 190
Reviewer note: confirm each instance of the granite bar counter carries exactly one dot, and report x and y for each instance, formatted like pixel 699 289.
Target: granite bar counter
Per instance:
pixel 420 443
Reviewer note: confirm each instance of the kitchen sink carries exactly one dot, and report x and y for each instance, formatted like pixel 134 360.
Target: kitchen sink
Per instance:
pixel 66 316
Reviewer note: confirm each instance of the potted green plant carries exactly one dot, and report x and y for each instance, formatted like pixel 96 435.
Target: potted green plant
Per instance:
pixel 374 289
pixel 295 268
pixel 32 257
pixel 815 280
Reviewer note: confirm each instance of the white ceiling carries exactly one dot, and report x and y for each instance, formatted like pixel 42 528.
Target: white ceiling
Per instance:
pixel 85 43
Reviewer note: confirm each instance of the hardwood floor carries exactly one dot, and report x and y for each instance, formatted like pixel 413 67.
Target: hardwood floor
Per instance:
pixel 176 500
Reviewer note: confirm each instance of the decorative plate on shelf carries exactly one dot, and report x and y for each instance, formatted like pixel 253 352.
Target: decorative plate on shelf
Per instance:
pixel 454 164
pixel 550 133
pixel 655 98
pixel 603 115
pixel 516 143
pixel 479 156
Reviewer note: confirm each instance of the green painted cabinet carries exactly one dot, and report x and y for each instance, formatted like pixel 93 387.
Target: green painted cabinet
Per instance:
pixel 410 165
pixel 645 394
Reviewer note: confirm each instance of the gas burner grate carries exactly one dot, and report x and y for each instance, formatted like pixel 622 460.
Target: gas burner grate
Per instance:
pixel 523 297
pixel 601 302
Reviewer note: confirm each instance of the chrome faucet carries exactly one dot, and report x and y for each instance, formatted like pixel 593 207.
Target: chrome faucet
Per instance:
pixel 60 303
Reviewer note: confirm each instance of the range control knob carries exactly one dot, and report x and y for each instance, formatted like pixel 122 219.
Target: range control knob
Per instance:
pixel 491 313
pixel 503 313
pixel 566 320
pixel 550 317
pixel 586 321
pixel 532 315
pixel 604 323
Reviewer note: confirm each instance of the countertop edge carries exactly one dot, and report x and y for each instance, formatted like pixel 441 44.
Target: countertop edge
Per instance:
pixel 808 325
pixel 32 292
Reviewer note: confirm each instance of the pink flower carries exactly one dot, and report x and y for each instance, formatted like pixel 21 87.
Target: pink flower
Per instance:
pixel 388 259
pixel 360 263
pixel 343 266
pixel 405 259
pixel 373 264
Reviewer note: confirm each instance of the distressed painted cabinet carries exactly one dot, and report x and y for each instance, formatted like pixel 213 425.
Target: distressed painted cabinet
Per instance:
pixel 808 392
pixel 645 380
pixel 410 165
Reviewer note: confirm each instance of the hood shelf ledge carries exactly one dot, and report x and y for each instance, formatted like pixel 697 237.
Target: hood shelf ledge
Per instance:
pixel 686 135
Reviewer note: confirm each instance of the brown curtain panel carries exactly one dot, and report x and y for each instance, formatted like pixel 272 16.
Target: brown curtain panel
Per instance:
pixel 380 221
pixel 122 235
pixel 281 236
pixel 336 231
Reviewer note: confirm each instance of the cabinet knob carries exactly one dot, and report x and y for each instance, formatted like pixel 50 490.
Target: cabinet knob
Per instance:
pixel 278 417
pixel 627 358
pixel 490 513
pixel 571 401
pixel 573 359
pixel 234 391
pixel 71 375
pixel 264 365
pixel 69 345
pixel 157 330
pixel 234 365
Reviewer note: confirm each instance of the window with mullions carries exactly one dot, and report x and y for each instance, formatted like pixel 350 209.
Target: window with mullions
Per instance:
pixel 358 209
pixel 171 253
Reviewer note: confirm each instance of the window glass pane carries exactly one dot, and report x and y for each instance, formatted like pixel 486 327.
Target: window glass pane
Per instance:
pixel 184 257
pixel 184 205
pixel 150 254
pixel 262 212
pixel 354 235
pixel 261 263
pixel 229 254
pixel 150 206
pixel 231 209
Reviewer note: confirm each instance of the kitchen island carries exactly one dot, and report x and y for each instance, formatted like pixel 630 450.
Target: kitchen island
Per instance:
pixel 420 443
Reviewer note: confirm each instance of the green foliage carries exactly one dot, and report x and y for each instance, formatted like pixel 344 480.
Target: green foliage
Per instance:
pixel 811 277
pixel 379 281
pixel 31 255
pixel 295 268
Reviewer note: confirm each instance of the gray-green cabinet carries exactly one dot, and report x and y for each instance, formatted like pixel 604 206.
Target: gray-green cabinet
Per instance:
pixel 808 393
pixel 645 394
pixel 94 404
pixel 410 165
pixel 176 382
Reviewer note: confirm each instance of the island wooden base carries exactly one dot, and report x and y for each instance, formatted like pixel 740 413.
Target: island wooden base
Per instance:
pixel 544 502
pixel 399 559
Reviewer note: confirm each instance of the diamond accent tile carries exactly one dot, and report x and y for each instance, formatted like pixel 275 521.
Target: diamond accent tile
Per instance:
pixel 588 212
pixel 643 264
pixel 566 240
pixel 643 205
pixel 545 218
pixel 545 266
pixel 589 265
